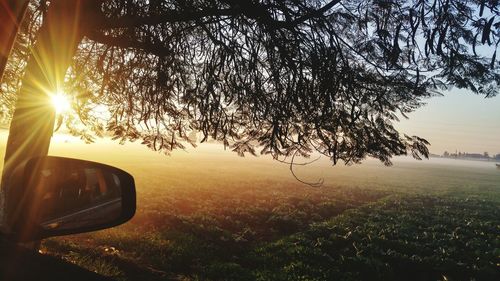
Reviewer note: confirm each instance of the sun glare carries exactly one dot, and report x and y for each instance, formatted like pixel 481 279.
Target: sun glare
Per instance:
pixel 60 102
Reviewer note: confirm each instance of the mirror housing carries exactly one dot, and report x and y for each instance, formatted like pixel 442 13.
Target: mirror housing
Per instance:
pixel 51 196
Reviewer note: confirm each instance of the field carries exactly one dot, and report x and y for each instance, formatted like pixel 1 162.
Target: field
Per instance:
pixel 209 215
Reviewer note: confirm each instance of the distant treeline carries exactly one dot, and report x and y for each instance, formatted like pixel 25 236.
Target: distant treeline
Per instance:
pixel 466 155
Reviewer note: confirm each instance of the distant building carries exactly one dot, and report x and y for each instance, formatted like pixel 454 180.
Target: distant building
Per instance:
pixel 470 156
pixel 473 155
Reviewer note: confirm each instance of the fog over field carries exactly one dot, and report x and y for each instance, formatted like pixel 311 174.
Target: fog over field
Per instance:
pixel 211 163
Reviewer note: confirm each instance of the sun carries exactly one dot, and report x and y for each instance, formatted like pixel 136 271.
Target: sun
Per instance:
pixel 60 102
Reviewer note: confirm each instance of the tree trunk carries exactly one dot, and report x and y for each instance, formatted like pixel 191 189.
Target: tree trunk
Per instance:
pixel 33 121
pixel 11 15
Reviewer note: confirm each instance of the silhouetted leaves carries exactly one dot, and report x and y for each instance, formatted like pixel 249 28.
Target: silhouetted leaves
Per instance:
pixel 285 76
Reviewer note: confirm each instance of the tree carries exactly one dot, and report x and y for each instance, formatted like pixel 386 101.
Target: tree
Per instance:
pixel 286 77
pixel 33 119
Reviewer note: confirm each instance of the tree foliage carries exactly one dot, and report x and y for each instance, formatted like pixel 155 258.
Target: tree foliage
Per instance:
pixel 283 77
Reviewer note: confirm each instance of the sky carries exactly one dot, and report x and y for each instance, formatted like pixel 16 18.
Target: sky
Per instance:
pixel 457 121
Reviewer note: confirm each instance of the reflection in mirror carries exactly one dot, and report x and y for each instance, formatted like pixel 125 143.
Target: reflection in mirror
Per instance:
pixel 75 197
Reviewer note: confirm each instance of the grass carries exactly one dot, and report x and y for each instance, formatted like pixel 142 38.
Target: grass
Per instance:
pixel 210 216
pixel 397 238
pixel 201 229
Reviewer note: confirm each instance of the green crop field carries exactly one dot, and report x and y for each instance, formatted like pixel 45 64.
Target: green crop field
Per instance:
pixel 209 215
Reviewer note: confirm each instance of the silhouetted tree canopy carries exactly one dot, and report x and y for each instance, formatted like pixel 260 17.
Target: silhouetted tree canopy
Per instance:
pixel 284 77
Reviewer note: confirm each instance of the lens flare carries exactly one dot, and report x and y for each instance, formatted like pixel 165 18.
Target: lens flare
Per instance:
pixel 60 102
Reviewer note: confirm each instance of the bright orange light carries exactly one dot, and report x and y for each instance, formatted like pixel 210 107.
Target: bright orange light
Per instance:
pixel 60 102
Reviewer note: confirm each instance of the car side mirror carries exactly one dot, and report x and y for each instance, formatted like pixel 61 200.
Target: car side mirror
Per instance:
pixel 51 196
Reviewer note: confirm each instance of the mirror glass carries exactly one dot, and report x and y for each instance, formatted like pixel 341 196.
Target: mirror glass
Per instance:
pixel 76 197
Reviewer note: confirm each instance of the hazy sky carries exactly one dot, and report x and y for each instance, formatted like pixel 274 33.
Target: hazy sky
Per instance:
pixel 459 121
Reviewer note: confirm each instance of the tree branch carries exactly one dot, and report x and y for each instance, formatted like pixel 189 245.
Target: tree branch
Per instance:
pixel 123 42
pixel 315 13
pixel 168 16
pixel 253 11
